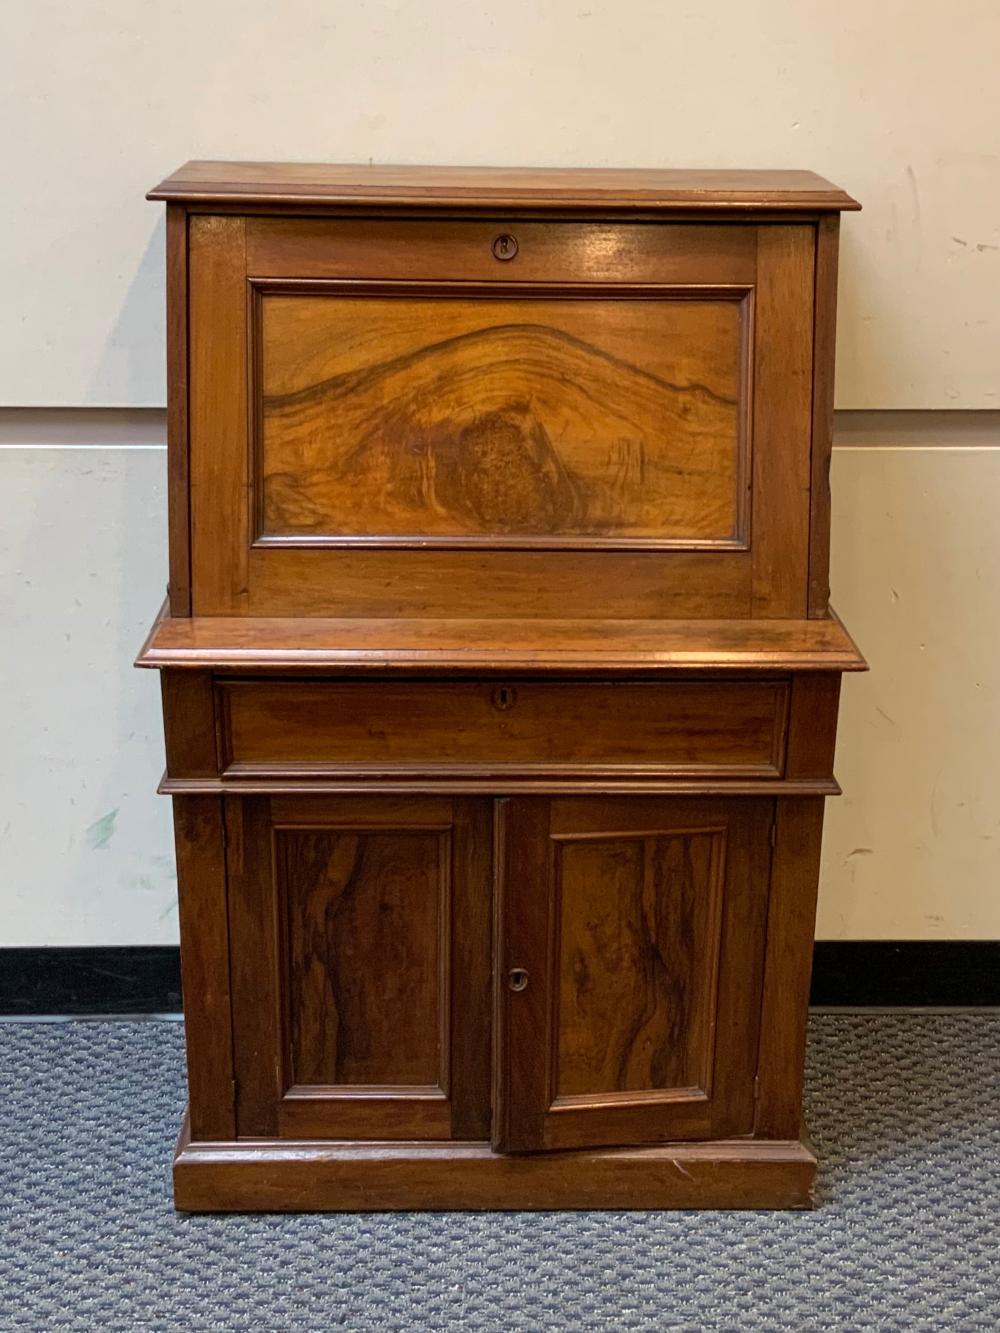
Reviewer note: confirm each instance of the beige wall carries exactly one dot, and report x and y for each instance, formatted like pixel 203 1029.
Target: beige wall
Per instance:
pixel 912 849
pixel 896 100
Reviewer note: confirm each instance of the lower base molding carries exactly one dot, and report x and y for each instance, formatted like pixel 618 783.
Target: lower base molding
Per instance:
pixel 285 1175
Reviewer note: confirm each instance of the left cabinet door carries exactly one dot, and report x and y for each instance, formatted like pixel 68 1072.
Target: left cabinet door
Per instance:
pixel 360 930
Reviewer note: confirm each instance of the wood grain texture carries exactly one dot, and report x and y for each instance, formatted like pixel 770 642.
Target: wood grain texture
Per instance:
pixel 502 646
pixel 447 584
pixel 370 917
pixel 812 733
pixel 447 476
pixel 493 785
pixel 824 357
pixel 255 945
pixel 189 731
pixel 534 727
pixel 413 251
pixel 530 420
pixel 638 929
pixel 791 926
pixel 782 425
pixel 178 445
pixel 204 931
pixel 500 187
pixel 591 943
pixel 220 521
pixel 367 957
pixel 309 1176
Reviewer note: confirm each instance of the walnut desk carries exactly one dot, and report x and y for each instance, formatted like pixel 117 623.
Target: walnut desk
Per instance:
pixel 499 679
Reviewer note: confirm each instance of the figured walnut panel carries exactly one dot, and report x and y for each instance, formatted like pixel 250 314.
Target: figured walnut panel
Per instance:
pixel 515 421
pixel 634 927
pixel 639 922
pixel 364 911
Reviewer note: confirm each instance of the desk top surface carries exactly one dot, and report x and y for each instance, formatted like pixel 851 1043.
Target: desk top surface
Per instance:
pixel 543 189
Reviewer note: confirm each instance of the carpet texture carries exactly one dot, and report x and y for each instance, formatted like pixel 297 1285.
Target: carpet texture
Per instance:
pixel 905 1112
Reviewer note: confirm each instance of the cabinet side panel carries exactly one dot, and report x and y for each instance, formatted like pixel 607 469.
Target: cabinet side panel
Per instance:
pixel 189 723
pixel 204 925
pixel 812 733
pixel 218 415
pixel 782 425
pixel 178 480
pixel 791 925
pixel 824 354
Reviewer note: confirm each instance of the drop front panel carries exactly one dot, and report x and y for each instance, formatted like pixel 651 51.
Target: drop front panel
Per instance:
pixel 388 420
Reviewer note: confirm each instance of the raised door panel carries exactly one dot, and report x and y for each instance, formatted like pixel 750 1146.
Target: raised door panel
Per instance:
pixel 367 916
pixel 516 422
pixel 361 953
pixel 394 420
pixel 630 946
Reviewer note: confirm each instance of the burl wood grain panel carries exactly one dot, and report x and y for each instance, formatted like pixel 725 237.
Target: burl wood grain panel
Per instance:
pixel 507 421
pixel 730 727
pixel 638 952
pixel 364 913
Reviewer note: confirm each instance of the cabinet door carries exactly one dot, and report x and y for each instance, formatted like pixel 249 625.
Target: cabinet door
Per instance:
pixel 361 965
pixel 630 935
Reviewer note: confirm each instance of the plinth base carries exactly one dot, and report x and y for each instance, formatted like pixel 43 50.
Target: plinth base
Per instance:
pixel 295 1175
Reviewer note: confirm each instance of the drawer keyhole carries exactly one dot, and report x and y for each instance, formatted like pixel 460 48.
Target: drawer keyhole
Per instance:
pixel 505 246
pixel 504 697
pixel 518 978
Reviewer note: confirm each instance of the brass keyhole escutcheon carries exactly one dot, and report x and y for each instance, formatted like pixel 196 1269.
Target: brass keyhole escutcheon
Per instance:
pixel 505 246
pixel 518 978
pixel 504 697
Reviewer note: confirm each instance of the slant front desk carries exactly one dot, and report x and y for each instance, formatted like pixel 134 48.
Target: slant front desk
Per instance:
pixel 499 680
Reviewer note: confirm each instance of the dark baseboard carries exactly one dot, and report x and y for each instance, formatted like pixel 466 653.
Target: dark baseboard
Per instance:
pixel 130 979
pixel 145 979
pixel 907 972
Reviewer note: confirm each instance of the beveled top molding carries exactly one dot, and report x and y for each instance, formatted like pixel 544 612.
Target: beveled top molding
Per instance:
pixel 493 189
pixel 451 647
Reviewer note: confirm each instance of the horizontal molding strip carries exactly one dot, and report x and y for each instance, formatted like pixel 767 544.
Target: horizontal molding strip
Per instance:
pixel 145 979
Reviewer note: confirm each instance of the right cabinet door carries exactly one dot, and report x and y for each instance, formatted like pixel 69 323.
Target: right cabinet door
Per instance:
pixel 629 952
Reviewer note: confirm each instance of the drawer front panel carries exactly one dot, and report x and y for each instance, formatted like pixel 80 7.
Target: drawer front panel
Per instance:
pixel 732 728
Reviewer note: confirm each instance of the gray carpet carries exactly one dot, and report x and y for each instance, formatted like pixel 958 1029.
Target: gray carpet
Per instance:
pixel 904 1110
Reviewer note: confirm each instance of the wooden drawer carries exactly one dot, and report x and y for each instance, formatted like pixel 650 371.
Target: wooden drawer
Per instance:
pixel 726 728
